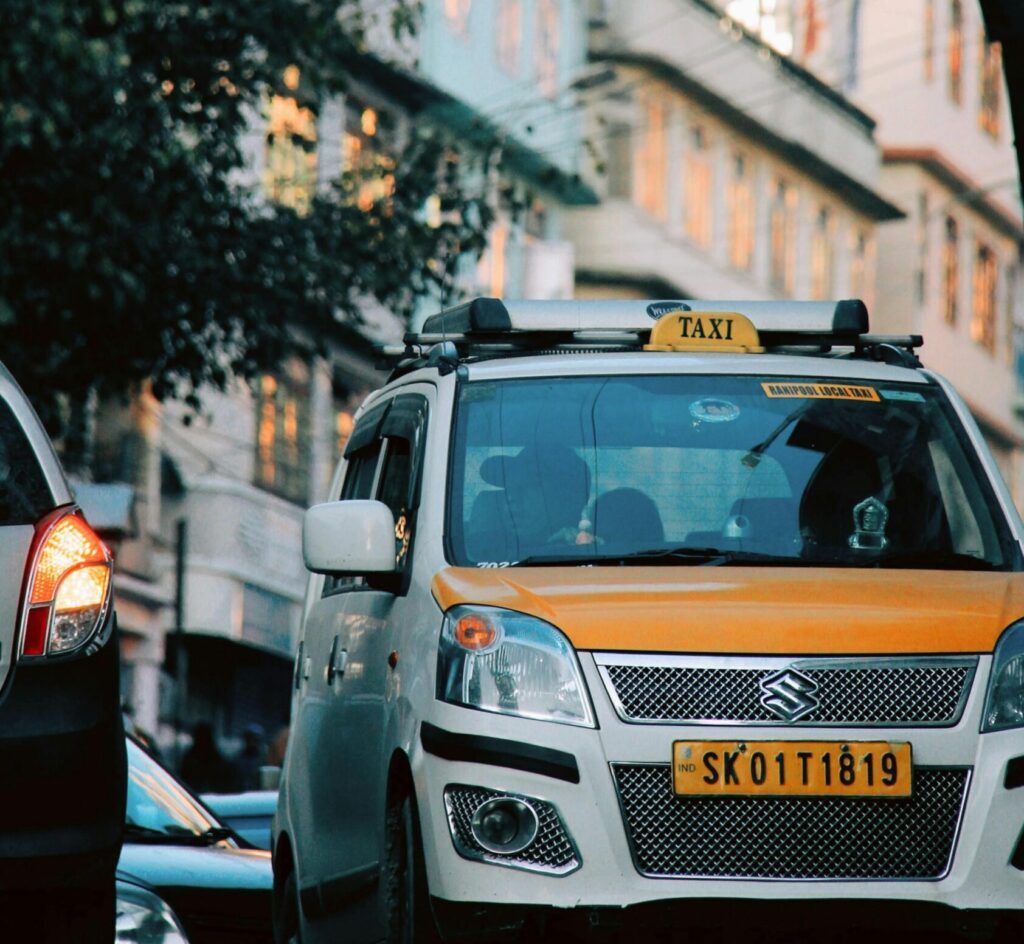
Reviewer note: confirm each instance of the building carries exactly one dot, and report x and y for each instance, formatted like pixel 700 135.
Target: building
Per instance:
pixel 511 71
pixel 725 167
pixel 951 270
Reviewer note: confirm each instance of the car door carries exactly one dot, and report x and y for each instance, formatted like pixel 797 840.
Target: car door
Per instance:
pixel 318 755
pixel 359 698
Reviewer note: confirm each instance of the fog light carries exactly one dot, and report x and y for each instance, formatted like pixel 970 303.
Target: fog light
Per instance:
pixel 504 825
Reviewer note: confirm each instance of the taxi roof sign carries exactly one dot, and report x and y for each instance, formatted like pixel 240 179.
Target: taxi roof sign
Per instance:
pixel 686 330
pixel 494 318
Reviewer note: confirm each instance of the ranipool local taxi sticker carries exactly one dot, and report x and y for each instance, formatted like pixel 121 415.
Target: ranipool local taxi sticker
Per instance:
pixel 820 391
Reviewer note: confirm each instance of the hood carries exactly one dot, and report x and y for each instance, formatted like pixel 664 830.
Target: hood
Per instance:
pixel 762 610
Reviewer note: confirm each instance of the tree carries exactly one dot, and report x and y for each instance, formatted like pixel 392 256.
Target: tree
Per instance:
pixel 128 251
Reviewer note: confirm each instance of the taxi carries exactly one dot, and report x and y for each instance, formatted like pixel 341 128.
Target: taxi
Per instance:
pixel 671 613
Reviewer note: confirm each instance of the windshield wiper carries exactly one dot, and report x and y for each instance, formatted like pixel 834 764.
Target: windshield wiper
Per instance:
pixel 176 835
pixel 709 556
pixel 932 560
pixel 713 556
pixel 133 832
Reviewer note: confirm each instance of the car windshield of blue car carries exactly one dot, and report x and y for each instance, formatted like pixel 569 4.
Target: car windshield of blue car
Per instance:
pixel 158 805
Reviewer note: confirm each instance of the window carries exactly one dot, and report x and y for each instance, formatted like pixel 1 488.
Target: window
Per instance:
pixel 740 205
pixel 991 84
pixel 394 489
pixel 365 160
pixel 813 25
pixel 923 250
pixel 697 186
pixel 456 12
pixel 1009 317
pixel 619 156
pixel 491 269
pixel 928 53
pixel 547 47
pixel 783 238
pixel 652 157
pixel 289 175
pixel 822 254
pixel 345 401
pixel 955 50
pixel 860 251
pixel 282 435
pixel 950 270
pixel 360 475
pixel 24 493
pixel 772 20
pixel 509 34
pixel 983 309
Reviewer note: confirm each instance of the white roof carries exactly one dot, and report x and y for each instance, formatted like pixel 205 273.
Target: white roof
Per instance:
pixel 572 364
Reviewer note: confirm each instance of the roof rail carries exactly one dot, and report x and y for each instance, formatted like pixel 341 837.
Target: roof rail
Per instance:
pixel 493 318
pixel 490 327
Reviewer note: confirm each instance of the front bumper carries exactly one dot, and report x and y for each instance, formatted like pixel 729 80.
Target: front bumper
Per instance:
pixel 979 876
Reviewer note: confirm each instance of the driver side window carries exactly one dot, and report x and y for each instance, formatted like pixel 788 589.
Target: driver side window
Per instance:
pixel 359 479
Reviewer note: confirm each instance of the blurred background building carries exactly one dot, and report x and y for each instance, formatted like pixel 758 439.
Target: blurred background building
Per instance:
pixel 670 148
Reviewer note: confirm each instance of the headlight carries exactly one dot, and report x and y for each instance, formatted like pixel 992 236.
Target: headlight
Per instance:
pixel 1004 706
pixel 145 918
pixel 503 661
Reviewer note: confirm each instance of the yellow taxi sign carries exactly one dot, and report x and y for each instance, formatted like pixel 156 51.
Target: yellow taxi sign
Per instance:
pixel 683 330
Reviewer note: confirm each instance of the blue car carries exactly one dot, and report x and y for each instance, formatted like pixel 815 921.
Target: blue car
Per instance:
pixel 218 885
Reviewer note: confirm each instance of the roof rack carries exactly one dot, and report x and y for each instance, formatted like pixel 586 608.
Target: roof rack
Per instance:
pixel 490 327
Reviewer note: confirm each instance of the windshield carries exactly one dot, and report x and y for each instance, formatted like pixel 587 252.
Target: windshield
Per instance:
pixel 718 469
pixel 158 804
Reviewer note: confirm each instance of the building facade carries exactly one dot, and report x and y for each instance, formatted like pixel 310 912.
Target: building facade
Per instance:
pixel 725 168
pixel 512 69
pixel 951 270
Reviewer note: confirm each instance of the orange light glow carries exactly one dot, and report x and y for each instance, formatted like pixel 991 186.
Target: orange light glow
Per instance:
pixel 83 588
pixel 71 543
pixel 475 633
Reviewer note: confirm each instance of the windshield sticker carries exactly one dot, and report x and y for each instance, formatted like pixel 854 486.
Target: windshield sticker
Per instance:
pixel 713 410
pixel 820 391
pixel 911 396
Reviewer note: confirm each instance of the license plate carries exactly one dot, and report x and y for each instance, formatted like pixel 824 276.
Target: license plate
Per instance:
pixel 792 768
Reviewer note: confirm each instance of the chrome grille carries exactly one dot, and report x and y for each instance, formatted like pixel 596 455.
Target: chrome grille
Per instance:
pixel 552 851
pixel 791 838
pixel 856 693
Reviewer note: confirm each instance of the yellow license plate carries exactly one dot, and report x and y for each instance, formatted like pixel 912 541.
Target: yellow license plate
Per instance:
pixel 792 768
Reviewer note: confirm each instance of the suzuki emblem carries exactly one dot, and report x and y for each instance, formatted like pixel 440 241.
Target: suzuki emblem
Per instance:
pixel 789 694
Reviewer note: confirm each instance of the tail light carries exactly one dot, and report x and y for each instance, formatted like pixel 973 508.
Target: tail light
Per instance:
pixel 67 588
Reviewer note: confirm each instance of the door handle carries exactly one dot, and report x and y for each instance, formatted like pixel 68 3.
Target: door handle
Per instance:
pixel 301 667
pixel 337 662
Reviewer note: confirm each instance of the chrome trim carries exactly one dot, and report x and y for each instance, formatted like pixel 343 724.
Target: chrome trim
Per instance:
pixel 968 770
pixel 506 861
pixel 770 664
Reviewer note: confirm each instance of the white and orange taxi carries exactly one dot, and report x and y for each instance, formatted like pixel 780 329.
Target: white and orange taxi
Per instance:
pixel 670 613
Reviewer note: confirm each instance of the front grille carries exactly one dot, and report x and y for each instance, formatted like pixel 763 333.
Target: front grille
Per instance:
pixel 552 851
pixel 791 838
pixel 856 694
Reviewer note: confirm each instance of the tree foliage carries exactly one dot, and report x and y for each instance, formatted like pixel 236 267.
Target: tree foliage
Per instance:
pixel 128 248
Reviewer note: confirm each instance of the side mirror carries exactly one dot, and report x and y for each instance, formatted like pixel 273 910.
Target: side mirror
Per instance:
pixel 353 537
